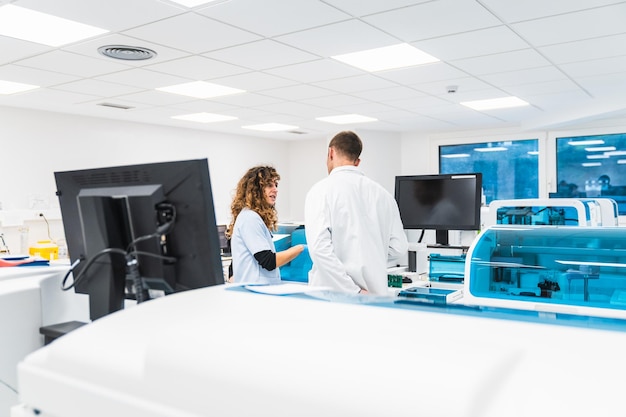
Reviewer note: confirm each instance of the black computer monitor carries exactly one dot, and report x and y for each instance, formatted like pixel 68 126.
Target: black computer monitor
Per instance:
pixel 137 231
pixel 441 202
pixel 224 241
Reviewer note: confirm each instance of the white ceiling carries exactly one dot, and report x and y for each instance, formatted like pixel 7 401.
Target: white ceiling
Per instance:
pixel 567 58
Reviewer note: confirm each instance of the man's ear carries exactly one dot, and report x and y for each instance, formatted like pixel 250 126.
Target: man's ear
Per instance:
pixel 331 153
pixel 357 162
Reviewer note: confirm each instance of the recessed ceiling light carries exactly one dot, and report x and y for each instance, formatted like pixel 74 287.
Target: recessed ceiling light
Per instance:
pixel 591 164
pixel 270 127
pixel 30 25
pixel 346 119
pixel 456 155
pixel 204 117
pixel 495 103
pixel 10 87
pixel 200 89
pixel 386 58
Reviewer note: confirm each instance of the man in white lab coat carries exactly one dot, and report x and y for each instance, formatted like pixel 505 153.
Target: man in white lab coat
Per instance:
pixel 352 224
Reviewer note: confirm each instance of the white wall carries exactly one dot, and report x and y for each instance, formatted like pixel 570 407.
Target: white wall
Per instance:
pixel 35 144
pixel 43 142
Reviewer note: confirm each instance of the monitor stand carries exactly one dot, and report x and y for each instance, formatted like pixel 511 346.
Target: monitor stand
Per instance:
pixel 442 237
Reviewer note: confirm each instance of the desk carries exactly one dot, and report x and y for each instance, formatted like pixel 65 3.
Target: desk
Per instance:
pixel 30 297
pixel 216 351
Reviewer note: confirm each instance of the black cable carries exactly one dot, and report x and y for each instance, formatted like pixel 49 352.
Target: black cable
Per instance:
pixel 48 225
pixel 90 262
pixel 79 277
pixel 421 236
pixel 130 255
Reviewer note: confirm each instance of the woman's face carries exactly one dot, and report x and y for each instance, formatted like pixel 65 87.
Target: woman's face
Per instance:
pixel 270 192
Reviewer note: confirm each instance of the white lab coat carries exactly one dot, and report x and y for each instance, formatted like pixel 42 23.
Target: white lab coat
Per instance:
pixel 353 229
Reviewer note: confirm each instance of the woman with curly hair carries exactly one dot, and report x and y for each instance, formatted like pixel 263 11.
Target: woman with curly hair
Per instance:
pixel 254 217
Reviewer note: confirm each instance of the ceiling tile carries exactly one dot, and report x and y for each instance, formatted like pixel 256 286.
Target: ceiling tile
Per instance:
pixel 339 38
pixel 334 101
pixel 585 50
pixel 508 61
pixel 16 49
pixel 197 106
pixel 420 103
pixel 155 98
pixel 528 90
pixel 574 26
pixel 440 88
pixel 422 74
pixel 527 76
pixel 261 55
pixel 196 68
pixel 517 11
pixel 73 64
pixel 254 81
pixel 606 85
pixel 298 92
pixel 364 8
pixel 596 67
pixel 471 44
pixel 432 19
pixel 287 15
pixel 46 98
pixel 247 100
pixel 33 76
pixel 143 78
pixel 295 109
pixel 389 94
pixel 357 83
pixel 320 70
pixel 192 33
pixel 113 15
pixel 97 88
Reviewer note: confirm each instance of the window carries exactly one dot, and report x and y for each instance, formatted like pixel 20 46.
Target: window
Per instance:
pixel 592 166
pixel 510 168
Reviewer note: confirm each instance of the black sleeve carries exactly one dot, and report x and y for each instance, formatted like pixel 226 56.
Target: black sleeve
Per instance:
pixel 267 259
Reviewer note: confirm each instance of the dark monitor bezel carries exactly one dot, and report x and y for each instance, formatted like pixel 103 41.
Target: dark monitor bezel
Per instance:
pixel 186 184
pixel 474 224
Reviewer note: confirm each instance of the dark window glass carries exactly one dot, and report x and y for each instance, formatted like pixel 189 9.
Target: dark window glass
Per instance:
pixel 592 166
pixel 510 168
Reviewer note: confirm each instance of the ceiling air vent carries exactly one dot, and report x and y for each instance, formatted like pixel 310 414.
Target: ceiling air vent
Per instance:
pixel 115 106
pixel 297 132
pixel 127 53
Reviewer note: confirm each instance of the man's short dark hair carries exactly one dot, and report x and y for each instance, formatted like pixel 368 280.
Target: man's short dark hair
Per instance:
pixel 348 144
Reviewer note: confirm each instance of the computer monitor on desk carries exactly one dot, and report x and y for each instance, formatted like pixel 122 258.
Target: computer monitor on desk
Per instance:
pixel 224 241
pixel 139 230
pixel 441 202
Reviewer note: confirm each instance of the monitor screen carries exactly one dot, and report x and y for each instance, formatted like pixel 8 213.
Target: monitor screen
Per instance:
pixel 137 231
pixel 440 202
pixel 224 241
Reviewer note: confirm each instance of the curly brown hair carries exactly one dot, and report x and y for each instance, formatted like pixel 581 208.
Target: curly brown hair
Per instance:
pixel 250 194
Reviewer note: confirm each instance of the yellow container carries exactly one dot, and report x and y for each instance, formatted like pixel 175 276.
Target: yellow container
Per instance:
pixel 44 249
